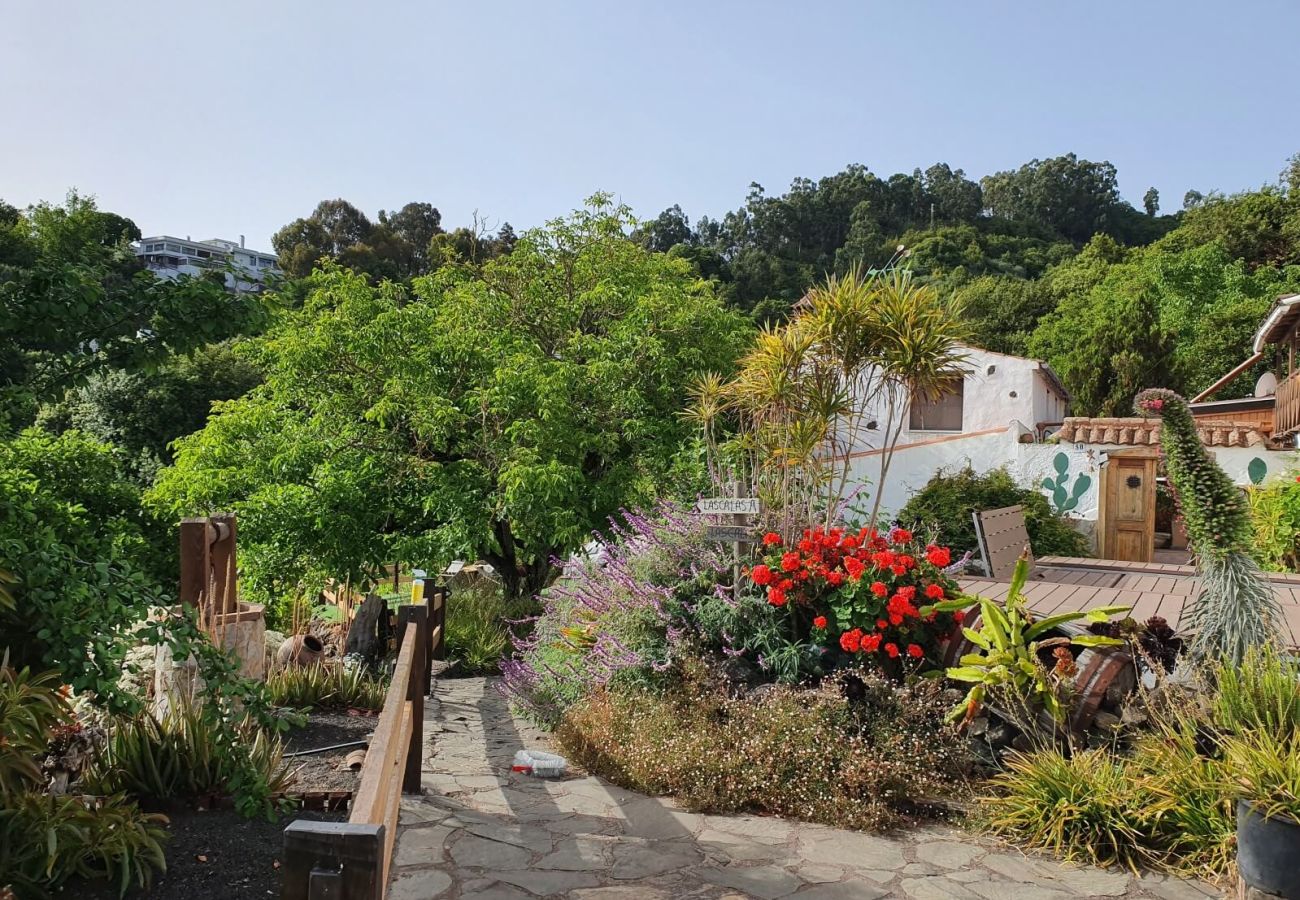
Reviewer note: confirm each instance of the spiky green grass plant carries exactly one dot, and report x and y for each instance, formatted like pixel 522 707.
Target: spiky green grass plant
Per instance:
pixel 1235 608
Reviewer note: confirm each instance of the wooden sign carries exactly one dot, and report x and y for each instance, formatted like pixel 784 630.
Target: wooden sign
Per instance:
pixel 730 534
pixel 728 506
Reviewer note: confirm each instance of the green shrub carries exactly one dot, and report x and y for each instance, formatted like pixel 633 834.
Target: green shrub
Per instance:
pixel 192 751
pixel 478 630
pixel 1262 694
pixel 1275 524
pixel 326 687
pixel 46 839
pixel 944 506
pixel 810 756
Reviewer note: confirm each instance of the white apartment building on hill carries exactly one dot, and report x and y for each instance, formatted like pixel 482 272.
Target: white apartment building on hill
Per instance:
pixel 171 257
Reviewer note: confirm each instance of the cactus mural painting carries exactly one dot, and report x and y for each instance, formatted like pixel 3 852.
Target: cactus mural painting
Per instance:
pixel 1064 501
pixel 1257 470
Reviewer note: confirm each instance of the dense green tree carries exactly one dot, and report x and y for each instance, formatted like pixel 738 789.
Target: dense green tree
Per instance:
pixel 396 247
pixel 1151 201
pixel 1075 197
pixel 1003 311
pixel 1152 317
pixel 500 412
pixel 1261 227
pixel 141 413
pixel 665 231
pixel 88 562
pixel 74 301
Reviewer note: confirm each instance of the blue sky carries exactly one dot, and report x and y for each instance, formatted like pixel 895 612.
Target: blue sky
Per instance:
pixel 233 118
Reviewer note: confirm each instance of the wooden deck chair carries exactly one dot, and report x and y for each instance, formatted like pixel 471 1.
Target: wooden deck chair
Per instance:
pixel 1002 538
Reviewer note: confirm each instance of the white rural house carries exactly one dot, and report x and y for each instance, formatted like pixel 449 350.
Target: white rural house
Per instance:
pixel 1001 404
pixel 1103 472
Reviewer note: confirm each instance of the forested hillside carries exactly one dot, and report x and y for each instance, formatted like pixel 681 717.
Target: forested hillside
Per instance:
pixel 1047 259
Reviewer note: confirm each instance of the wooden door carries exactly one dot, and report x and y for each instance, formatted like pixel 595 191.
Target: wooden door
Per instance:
pixel 1128 508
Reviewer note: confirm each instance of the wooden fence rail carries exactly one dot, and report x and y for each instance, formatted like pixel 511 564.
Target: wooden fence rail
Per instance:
pixel 350 860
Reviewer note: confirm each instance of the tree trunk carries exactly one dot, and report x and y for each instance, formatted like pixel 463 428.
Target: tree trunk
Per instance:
pixel 520 579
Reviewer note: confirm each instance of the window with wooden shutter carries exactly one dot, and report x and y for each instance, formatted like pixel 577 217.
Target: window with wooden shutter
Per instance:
pixel 942 413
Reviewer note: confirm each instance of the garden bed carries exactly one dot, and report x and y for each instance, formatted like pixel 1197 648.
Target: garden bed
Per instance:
pixel 214 855
pixel 322 771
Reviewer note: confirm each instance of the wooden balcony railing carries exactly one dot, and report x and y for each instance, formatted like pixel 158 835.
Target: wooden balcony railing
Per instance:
pixel 1287 412
pixel 350 860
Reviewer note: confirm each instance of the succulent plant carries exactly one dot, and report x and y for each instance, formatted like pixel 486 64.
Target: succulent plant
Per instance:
pixel 1235 608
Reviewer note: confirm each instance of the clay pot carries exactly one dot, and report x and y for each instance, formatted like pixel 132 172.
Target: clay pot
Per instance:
pixel 300 650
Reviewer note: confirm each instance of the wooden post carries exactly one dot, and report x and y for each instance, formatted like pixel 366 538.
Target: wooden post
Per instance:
pixel 225 597
pixel 417 617
pixel 439 622
pixel 328 860
pixel 736 520
pixel 196 560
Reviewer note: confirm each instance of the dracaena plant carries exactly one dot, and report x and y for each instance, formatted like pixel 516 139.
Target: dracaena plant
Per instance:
pixel 1008 667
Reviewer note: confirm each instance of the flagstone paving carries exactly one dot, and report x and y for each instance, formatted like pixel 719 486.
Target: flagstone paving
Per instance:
pixel 480 831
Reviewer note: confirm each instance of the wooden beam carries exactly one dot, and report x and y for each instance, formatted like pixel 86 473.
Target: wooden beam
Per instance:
pixel 326 860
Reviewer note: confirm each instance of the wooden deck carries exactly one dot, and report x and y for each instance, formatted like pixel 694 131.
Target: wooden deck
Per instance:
pixel 1065 584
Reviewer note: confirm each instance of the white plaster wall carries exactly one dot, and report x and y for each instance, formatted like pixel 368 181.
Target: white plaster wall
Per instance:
pixel 987 401
pixel 914 465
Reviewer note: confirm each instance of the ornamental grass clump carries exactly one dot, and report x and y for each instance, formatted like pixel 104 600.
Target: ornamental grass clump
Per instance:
pixel 1236 608
pixel 872 762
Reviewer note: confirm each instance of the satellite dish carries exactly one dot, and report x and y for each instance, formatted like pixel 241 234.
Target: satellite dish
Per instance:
pixel 1266 386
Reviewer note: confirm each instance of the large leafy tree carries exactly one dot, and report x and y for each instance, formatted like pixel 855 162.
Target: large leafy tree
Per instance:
pixel 74 301
pixel 1153 317
pixel 500 411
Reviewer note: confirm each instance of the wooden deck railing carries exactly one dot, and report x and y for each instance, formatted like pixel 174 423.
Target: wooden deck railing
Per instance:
pixel 1287 410
pixel 350 860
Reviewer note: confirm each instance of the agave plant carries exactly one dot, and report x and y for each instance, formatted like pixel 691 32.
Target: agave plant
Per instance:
pixel 1010 668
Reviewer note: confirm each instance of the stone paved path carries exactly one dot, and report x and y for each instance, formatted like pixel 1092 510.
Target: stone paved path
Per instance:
pixel 482 832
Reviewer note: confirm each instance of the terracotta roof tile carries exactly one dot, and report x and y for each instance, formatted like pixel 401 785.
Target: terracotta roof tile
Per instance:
pixel 1140 432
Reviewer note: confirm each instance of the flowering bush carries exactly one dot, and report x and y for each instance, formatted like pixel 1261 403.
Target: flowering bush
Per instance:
pixel 616 617
pixel 866 593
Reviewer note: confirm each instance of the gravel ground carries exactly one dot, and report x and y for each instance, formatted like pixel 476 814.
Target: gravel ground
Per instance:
pixel 320 771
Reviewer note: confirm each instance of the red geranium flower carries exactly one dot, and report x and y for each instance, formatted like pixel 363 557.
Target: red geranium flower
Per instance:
pixel 819 622
pixel 915 651
pixel 835 579
pixel 881 624
pixel 878 588
pixel 850 641
pixel 776 596
pixel 870 643
pixel 761 575
pixel 789 561
pixel 902 536
pixel 934 591
pixel 938 556
pixel 785 584
pixel 892 650
pixel 772 539
pixel 895 619
pixel 959 616
pixel 854 568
